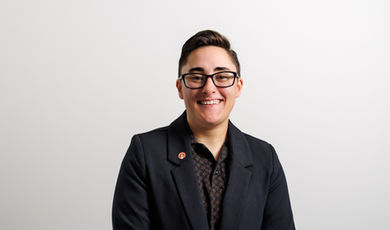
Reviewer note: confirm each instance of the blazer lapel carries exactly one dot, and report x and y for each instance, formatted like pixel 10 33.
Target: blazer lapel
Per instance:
pixel 179 140
pixel 239 179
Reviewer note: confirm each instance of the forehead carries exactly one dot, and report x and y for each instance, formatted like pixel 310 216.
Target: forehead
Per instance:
pixel 209 58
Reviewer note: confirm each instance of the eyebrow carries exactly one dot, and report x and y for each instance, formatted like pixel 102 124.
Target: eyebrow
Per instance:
pixel 200 69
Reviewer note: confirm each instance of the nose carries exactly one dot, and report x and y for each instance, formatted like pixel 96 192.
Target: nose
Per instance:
pixel 209 87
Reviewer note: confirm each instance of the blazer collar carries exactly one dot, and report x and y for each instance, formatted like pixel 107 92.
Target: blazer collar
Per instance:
pixel 239 147
pixel 179 139
pixel 240 175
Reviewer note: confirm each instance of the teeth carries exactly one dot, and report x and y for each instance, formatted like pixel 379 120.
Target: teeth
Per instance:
pixel 213 102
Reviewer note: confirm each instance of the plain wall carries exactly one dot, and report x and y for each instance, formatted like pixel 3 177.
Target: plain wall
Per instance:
pixel 79 78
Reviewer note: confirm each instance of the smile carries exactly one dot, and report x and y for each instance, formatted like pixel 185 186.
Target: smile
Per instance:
pixel 209 102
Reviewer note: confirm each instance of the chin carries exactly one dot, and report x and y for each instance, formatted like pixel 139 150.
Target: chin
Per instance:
pixel 211 120
pixel 207 119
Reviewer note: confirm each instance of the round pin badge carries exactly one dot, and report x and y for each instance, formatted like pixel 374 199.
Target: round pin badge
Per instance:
pixel 181 155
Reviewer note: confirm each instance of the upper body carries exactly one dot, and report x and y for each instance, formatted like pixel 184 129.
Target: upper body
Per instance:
pixel 159 184
pixel 157 190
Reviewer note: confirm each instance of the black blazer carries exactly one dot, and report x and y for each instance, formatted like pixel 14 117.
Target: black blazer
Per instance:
pixel 157 190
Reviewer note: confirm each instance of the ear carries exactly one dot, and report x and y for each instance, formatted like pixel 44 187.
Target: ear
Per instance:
pixel 179 88
pixel 240 84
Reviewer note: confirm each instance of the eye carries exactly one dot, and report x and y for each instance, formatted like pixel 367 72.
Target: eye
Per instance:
pixel 224 76
pixel 195 77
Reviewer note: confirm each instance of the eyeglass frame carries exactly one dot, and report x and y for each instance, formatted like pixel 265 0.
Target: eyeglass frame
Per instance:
pixel 181 77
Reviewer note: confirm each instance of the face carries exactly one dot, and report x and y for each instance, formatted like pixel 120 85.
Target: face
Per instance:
pixel 209 106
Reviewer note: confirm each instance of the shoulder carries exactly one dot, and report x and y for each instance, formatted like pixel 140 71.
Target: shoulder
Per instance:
pixel 256 142
pixel 256 145
pixel 155 133
pixel 149 141
pixel 249 146
pixel 148 137
pixel 152 137
pixel 262 152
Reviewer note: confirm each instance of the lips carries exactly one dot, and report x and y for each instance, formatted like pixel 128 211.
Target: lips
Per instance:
pixel 209 102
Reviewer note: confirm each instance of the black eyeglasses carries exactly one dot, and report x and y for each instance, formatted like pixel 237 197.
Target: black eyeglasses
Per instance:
pixel 222 79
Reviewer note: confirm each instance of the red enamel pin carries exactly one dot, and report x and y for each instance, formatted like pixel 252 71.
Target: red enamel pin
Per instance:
pixel 181 155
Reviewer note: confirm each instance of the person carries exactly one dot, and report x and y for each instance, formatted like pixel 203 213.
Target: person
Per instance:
pixel 201 172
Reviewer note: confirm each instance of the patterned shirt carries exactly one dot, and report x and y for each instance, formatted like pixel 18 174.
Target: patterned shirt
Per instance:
pixel 212 177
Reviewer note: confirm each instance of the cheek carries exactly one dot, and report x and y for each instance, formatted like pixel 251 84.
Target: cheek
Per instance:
pixel 189 97
pixel 234 93
pixel 228 93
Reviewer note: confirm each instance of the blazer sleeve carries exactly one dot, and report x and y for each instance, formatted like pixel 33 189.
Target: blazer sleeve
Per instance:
pixel 130 206
pixel 277 213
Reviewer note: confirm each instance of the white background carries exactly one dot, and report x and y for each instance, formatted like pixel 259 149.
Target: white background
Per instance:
pixel 79 78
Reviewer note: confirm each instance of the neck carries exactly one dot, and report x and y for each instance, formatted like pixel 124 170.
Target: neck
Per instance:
pixel 212 137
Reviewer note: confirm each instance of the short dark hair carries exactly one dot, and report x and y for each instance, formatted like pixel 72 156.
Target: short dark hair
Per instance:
pixel 207 38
